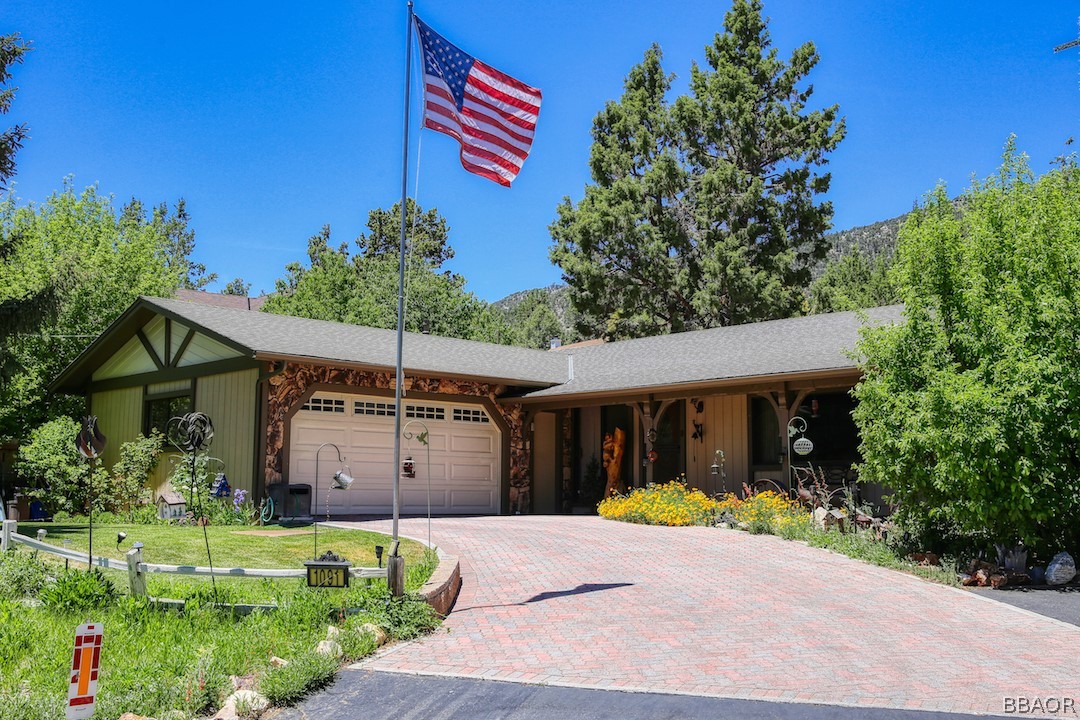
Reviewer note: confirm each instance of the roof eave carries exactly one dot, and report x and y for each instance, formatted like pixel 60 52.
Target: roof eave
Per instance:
pixel 416 372
pixel 738 385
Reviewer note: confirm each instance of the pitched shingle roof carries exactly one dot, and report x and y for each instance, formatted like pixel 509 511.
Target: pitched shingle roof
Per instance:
pixel 280 336
pixel 759 350
pixel 777 347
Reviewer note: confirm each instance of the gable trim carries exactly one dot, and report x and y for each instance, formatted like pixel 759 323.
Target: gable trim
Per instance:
pixel 175 373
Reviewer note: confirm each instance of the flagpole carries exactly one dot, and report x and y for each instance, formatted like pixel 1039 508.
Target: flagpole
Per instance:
pixel 401 280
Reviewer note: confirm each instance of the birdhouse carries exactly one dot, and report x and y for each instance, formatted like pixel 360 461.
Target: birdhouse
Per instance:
pixel 171 505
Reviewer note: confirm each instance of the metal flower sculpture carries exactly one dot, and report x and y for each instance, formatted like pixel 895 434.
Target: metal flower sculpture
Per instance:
pixel 192 432
pixel 90 441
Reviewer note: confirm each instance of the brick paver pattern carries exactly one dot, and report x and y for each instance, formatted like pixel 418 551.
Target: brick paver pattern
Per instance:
pixel 587 602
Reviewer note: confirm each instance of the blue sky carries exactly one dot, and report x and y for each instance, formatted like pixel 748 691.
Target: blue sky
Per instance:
pixel 272 119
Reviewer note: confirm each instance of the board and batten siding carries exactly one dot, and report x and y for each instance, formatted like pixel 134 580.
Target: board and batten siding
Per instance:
pixel 726 421
pixel 229 400
pixel 119 414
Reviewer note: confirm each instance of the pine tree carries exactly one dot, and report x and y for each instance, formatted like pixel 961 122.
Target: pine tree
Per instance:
pixel 702 212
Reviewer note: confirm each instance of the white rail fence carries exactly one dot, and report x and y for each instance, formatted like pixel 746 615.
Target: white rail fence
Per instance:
pixel 137 569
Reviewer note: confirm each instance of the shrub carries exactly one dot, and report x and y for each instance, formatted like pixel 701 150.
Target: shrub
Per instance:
pixel 57 472
pixel 667 504
pixel 22 574
pixel 285 685
pixel 967 408
pixel 76 590
pixel 131 472
pixel 766 512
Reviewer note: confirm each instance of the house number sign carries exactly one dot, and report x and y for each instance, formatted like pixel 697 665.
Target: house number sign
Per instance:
pixel 327 574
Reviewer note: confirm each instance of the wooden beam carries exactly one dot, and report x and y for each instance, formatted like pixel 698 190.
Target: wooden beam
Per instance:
pixel 149 349
pixel 175 362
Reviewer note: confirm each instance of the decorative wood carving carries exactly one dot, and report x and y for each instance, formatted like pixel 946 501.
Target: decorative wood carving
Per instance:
pixel 614 446
pixel 287 388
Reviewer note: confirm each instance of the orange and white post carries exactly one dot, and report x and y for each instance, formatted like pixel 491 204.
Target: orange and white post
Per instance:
pixel 85 661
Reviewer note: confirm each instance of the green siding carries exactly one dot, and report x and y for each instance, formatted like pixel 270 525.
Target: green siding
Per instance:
pixel 229 400
pixel 119 414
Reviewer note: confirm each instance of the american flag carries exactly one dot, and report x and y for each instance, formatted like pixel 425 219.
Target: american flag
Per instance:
pixel 491 114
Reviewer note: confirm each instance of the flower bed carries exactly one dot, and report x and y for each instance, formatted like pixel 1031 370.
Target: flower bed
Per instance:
pixel 667 504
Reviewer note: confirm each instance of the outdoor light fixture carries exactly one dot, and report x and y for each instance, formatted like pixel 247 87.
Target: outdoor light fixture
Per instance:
pixel 379 553
pixel 341 481
pixel 717 468
pixel 120 537
pixel 41 534
pixel 137 546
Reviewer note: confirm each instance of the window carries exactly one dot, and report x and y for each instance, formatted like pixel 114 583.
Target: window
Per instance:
pixel 467 415
pixel 764 433
pixel 378 409
pixel 325 404
pixel 157 411
pixel 425 412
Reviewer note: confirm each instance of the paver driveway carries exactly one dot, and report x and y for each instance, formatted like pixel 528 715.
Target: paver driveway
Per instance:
pixel 585 602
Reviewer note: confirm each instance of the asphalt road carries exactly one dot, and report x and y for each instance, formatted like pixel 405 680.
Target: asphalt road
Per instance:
pixel 367 695
pixel 1061 603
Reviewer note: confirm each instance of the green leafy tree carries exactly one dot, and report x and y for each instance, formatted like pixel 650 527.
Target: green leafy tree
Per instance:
pixel 361 288
pixel 55 471
pixel 967 409
pixel 702 212
pixel 237 286
pixel 853 282
pixel 12 51
pixel 94 262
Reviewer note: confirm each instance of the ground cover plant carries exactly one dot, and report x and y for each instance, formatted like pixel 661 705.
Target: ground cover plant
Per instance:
pixel 669 503
pixel 767 512
pixel 155 661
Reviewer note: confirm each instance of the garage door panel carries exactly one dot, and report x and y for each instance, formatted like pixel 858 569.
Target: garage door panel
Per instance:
pixel 315 436
pixel 372 438
pixel 471 471
pixel 418 498
pixel 436 440
pixel 464 458
pixel 481 444
pixel 470 500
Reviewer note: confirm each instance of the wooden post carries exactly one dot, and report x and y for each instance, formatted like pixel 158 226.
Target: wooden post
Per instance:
pixel 10 526
pixel 136 578
pixel 395 575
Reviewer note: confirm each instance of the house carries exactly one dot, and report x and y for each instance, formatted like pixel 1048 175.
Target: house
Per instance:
pixel 510 429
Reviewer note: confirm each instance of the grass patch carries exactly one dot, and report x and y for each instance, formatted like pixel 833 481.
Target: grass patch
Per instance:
pixel 232 546
pixel 155 661
pixel 864 545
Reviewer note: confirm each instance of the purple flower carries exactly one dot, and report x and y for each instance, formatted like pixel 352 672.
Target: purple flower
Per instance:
pixel 238 498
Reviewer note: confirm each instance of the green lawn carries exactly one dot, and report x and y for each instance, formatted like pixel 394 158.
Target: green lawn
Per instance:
pixel 271 546
pixel 158 660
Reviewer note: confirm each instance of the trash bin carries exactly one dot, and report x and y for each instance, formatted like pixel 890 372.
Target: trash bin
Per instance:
pixel 298 502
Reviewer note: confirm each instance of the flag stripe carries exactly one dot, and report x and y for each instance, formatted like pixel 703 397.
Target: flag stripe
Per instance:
pixel 516 142
pixel 503 115
pixel 508 150
pixel 514 83
pixel 498 90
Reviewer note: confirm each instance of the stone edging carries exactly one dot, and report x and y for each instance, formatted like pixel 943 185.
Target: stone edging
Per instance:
pixel 441 589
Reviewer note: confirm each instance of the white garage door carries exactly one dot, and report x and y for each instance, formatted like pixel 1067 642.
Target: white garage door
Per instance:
pixel 465 455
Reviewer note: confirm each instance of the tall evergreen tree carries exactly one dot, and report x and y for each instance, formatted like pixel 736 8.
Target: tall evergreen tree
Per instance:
pixel 12 50
pixel 702 212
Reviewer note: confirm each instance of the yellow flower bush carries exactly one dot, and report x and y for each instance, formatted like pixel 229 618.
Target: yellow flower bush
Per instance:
pixel 766 512
pixel 667 504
